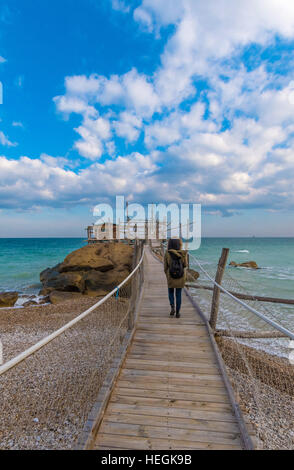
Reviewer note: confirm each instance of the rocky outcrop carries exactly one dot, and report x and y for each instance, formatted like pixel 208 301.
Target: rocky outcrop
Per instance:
pixel 108 281
pixel 57 297
pixel 93 270
pixel 71 282
pixel 30 303
pixel 8 299
pixel 88 258
pixel 193 275
pixel 247 264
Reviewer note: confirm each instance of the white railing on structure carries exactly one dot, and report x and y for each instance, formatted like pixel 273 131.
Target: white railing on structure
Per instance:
pixel 33 349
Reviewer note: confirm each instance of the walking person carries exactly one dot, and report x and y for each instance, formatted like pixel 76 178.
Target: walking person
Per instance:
pixel 175 262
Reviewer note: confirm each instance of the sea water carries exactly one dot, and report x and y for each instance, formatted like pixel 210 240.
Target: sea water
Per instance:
pixel 22 260
pixel 275 278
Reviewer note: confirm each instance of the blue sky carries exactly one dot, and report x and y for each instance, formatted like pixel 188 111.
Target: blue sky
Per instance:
pixel 157 100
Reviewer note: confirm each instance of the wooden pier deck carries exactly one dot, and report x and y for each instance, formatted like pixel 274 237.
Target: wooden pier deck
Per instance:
pixel 170 392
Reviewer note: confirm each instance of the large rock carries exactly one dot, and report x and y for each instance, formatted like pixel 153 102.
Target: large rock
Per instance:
pixel 93 270
pixel 85 259
pixel 49 273
pixel 95 281
pixel 8 299
pixel 247 264
pixel 121 255
pixel 57 297
pixel 70 282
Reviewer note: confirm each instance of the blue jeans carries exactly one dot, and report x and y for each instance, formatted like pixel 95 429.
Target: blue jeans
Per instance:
pixel 171 295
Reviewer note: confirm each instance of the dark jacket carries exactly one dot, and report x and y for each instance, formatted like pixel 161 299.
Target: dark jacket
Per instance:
pixel 175 283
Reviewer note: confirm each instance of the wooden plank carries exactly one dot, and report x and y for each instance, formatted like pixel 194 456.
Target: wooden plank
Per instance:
pixel 199 395
pixel 173 422
pixel 258 298
pixel 173 354
pixel 173 358
pixel 172 328
pixel 172 376
pixel 165 320
pixel 172 366
pixel 177 434
pixel 170 339
pixel 141 443
pixel 182 348
pixel 167 411
pixel 165 353
pixel 179 387
pixel 170 403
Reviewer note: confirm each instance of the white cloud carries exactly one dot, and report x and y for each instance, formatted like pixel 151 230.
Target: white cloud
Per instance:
pixel 17 124
pixel 28 183
pixel 90 147
pixel 71 104
pixel 82 85
pixel 140 93
pixel 4 140
pixel 57 162
pixel 163 133
pixel 128 126
pixel 120 5
pixel 247 164
pixel 2 60
pixel 142 15
pixel 93 133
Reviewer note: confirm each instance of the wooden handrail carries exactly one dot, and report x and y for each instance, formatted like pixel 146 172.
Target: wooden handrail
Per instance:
pixel 259 298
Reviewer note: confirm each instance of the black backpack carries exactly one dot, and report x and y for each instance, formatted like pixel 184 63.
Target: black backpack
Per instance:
pixel 176 268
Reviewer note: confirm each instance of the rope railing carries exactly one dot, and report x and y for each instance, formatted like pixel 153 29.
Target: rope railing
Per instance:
pixel 21 357
pixel 48 390
pixel 274 324
pixel 256 358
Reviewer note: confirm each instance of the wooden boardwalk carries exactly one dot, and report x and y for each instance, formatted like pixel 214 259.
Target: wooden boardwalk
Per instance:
pixel 170 392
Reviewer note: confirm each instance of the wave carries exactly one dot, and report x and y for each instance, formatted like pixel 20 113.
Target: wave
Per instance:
pixel 241 251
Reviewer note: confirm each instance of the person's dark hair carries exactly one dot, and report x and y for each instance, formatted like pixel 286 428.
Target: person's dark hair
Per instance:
pixel 174 244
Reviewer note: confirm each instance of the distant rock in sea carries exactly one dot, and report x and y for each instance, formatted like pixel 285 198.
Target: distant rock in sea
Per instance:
pixel 193 275
pixel 247 264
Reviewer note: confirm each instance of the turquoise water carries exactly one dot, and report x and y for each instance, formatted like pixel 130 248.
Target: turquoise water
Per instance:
pixel 274 255
pixel 22 260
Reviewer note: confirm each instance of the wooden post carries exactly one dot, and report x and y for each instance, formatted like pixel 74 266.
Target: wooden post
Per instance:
pixel 162 250
pixel 216 291
pixel 146 232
